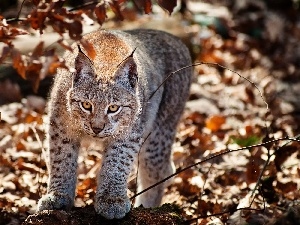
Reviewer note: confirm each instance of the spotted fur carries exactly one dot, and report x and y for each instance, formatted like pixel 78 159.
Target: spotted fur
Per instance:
pixel 108 98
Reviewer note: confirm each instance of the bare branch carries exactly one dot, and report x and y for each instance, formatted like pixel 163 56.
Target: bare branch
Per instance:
pixel 213 157
pixel 211 65
pixel 87 4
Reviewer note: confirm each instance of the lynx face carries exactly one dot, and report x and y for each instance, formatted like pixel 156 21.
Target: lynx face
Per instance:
pixel 104 107
pixel 102 113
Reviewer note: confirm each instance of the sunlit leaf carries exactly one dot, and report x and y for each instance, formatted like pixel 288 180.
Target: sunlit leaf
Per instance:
pixel 18 63
pixel 215 122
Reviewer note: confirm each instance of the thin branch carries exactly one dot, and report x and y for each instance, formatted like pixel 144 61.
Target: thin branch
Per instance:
pixel 21 7
pixel 17 19
pixel 259 178
pixel 268 160
pixel 83 5
pixel 213 65
pixel 165 80
pixel 204 183
pixel 138 162
pixel 11 20
pixel 212 157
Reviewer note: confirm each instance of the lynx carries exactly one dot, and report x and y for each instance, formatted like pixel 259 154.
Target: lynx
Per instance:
pixel 115 97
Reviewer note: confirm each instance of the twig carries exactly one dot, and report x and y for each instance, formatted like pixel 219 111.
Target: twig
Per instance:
pixel 201 192
pixel 18 15
pixel 212 157
pixel 83 5
pixel 138 162
pixel 214 65
pixel 268 160
pixel 21 7
pixel 11 20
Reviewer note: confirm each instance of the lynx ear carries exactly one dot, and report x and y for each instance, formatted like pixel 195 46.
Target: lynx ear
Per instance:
pixel 83 66
pixel 127 72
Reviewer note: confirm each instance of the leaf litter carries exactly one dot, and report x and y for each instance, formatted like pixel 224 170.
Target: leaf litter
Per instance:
pixel 224 112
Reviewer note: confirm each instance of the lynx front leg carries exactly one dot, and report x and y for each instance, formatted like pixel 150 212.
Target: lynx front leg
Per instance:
pixel 111 197
pixel 61 160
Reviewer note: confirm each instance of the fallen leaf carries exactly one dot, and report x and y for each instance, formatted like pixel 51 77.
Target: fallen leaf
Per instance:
pixel 215 122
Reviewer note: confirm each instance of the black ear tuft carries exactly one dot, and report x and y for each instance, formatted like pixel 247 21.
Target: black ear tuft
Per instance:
pixel 132 73
pixel 83 65
pixel 128 68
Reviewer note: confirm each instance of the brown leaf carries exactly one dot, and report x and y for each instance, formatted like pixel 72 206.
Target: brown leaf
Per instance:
pixel 85 185
pixel 100 12
pixel 51 64
pixel 287 187
pixel 115 7
pixel 252 170
pixel 169 5
pixel 37 19
pixel 204 207
pixel 145 4
pixel 215 122
pixel 75 29
pixel 38 50
pixel 18 63
pixel 33 74
pixel 56 63
pixel 5 52
pixel 21 165
pixel 218 208
pixel 283 153
pixel 8 32
pixel 20 146
pixel 250 95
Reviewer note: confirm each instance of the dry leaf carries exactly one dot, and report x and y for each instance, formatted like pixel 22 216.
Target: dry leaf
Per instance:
pixel 115 7
pixel 215 122
pixel 100 12
pixel 145 4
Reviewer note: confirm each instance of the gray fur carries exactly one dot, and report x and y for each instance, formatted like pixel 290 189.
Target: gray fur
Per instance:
pixel 113 77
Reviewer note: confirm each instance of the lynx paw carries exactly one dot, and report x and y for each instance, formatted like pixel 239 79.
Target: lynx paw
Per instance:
pixel 112 207
pixel 55 201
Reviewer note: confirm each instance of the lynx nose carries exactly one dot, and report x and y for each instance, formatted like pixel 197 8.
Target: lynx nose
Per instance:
pixel 97 130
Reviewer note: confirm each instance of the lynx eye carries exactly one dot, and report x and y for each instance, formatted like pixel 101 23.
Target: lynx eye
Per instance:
pixel 86 106
pixel 113 109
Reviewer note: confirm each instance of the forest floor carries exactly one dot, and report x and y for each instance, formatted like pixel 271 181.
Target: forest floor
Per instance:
pixel 255 102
